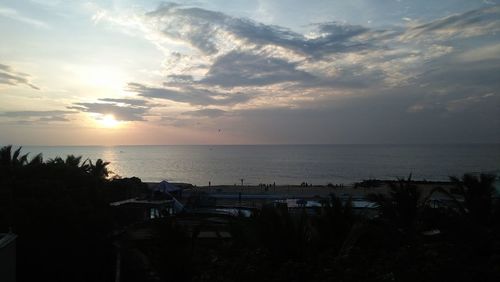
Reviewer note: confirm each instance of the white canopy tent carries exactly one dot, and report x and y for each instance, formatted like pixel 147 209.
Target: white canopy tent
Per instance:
pixel 164 186
pixel 168 188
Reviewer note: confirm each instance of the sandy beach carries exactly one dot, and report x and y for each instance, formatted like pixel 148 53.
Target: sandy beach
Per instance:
pixel 297 191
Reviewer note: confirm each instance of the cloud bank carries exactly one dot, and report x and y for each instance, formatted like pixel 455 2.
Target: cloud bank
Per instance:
pixel 9 76
pixel 121 109
pixel 333 82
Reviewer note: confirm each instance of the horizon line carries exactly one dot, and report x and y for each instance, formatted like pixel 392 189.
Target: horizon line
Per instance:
pixel 252 144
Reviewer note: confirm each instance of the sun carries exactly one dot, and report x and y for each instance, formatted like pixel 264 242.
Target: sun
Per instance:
pixel 108 121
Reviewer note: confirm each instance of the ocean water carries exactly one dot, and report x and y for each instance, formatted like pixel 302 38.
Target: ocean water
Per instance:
pixel 286 164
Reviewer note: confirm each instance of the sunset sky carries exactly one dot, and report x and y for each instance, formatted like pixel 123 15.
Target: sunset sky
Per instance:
pixel 249 72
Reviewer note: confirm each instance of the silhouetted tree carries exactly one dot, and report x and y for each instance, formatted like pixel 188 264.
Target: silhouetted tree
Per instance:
pixel 477 193
pixel 99 170
pixel 36 160
pixel 60 210
pixel 73 161
pixel 7 158
pixel 402 206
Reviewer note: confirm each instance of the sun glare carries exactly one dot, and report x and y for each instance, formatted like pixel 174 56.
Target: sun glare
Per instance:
pixel 108 121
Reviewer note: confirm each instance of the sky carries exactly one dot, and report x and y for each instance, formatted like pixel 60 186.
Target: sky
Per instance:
pixel 130 72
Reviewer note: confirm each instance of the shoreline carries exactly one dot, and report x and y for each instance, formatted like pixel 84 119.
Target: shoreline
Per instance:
pixel 353 190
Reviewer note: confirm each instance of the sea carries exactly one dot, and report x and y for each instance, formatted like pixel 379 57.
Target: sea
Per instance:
pixel 286 164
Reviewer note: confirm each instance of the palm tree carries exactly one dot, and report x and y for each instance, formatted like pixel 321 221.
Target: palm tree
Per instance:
pixel 11 163
pixel 475 195
pixel 56 161
pixel 99 170
pixel 402 206
pixel 73 161
pixel 86 165
pixel 7 158
pixel 36 160
pixel 477 192
pixel 334 222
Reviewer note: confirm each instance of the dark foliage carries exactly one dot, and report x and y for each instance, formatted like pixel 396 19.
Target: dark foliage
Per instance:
pixel 408 241
pixel 60 210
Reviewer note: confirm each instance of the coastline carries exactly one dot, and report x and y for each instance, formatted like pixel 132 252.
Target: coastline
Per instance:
pixel 298 191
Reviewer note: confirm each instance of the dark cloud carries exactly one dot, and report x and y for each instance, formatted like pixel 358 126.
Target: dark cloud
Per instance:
pixel 32 117
pixel 53 118
pixel 212 113
pixel 10 77
pixel 35 113
pixel 450 85
pixel 260 54
pixel 207 31
pixel 244 69
pixel 129 102
pixel 180 78
pixel 187 94
pixel 176 122
pixel 446 72
pixel 432 82
pixel 239 69
pixel 469 24
pixel 200 37
pixel 381 118
pixel 338 31
pixel 335 38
